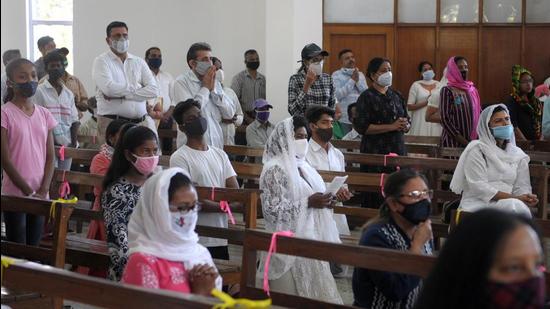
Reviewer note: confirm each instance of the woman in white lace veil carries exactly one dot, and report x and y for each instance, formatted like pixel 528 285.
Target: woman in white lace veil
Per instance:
pixel 493 171
pixel 293 199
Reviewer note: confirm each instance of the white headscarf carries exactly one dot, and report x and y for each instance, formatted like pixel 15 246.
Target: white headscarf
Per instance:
pixel 496 156
pixel 150 229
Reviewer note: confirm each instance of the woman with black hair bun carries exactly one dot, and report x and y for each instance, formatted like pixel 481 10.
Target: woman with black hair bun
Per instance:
pixel 492 259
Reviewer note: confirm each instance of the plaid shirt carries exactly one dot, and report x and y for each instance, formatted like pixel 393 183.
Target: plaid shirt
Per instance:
pixel 321 92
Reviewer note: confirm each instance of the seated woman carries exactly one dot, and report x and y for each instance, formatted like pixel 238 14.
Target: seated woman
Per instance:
pixel 493 171
pixel 293 200
pixel 134 160
pixel 492 259
pixel 164 249
pixel 402 224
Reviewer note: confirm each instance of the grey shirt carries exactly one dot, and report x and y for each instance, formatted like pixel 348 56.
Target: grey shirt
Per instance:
pixel 257 133
pixel 248 89
pixel 40 68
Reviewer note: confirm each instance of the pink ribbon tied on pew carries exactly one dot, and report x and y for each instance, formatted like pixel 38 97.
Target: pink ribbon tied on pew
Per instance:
pixel 65 188
pixel 224 206
pixel 383 175
pixel 272 249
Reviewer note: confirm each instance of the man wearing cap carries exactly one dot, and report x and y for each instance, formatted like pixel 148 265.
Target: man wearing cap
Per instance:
pixel 73 83
pixel 310 85
pixel 260 129
pixel 45 45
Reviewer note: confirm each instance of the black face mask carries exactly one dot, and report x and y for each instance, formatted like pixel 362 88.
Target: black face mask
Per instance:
pixel 253 65
pixel 196 127
pixel 27 89
pixel 55 74
pixel 464 74
pixel 417 212
pixel 324 134
pixel 154 63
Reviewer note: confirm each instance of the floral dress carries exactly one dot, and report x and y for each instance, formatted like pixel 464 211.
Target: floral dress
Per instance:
pixel 118 202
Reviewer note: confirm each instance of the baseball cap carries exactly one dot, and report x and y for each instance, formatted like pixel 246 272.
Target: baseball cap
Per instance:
pixel 260 103
pixel 311 50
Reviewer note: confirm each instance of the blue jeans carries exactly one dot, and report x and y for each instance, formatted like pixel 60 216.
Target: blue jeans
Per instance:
pixel 23 228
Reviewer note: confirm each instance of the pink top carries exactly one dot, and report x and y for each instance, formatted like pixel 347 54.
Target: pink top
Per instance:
pixel 27 142
pixel 152 272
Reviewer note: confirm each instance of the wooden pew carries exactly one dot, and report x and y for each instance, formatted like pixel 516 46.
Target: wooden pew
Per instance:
pixel 535 156
pixel 358 256
pixel 59 283
pixel 54 255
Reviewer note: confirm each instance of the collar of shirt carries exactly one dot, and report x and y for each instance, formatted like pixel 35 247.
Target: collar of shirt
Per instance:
pixel 256 124
pixel 48 85
pixel 313 145
pixel 258 75
pixel 115 57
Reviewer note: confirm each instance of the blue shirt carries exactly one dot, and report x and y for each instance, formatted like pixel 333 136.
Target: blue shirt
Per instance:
pixel 546 118
pixel 347 90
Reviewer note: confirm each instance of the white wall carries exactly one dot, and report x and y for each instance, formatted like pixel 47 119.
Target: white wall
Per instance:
pixel 14 26
pixel 230 27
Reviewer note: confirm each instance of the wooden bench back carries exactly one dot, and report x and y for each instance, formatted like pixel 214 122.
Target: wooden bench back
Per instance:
pixel 358 256
pixel 64 284
pixel 247 197
pixel 55 255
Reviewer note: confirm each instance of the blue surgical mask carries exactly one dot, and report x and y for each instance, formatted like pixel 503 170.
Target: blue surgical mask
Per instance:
pixel 503 132
pixel 428 75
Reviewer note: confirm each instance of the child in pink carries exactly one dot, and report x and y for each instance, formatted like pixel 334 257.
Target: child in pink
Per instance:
pixel 27 150
pixel 164 249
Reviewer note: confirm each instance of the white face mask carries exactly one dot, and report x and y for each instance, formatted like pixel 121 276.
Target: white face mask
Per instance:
pixel 121 46
pixel 428 75
pixel 202 67
pixel 384 80
pixel 220 75
pixel 317 67
pixel 301 146
pixel 348 71
pixel 184 222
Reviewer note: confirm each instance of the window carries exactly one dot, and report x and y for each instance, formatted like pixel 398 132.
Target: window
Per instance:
pixel 502 11
pixel 358 11
pixel 416 11
pixel 51 18
pixel 459 11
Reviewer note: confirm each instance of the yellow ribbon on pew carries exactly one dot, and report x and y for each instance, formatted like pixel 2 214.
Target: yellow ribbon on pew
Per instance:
pixel 6 262
pixel 457 216
pixel 74 200
pixel 229 302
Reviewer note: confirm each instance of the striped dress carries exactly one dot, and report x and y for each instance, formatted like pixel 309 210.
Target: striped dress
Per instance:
pixel 456 116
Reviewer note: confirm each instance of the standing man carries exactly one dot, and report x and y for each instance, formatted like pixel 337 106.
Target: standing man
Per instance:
pixel 349 82
pixel 310 85
pixel 249 85
pixel 162 103
pixel 45 45
pixel 200 84
pixel 124 82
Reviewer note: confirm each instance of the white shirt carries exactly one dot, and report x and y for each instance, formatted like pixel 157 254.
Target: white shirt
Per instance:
pixel 333 160
pixel 164 82
pixel 347 90
pixel 132 80
pixel 483 181
pixel 417 94
pixel 228 129
pixel 62 107
pixel 215 105
pixel 210 168
pixel 3 80
pixel 352 136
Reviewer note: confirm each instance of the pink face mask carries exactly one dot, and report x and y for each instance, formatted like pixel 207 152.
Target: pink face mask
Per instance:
pixel 145 165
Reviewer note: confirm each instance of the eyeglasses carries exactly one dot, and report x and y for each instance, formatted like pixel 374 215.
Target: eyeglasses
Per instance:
pixel 416 194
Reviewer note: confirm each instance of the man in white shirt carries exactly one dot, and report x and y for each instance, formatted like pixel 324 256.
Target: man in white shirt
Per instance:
pixel 201 85
pixel 162 106
pixel 208 166
pixel 352 135
pixel 229 126
pixel 56 97
pixel 7 56
pixel 321 155
pixel 124 82
pixel 349 83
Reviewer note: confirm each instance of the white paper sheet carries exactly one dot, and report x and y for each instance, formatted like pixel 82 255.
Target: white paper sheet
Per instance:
pixel 336 184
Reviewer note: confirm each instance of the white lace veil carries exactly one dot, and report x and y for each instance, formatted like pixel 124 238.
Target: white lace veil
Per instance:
pixel 498 157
